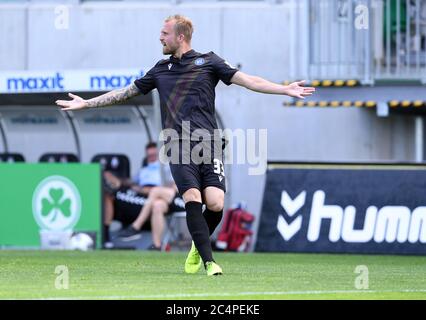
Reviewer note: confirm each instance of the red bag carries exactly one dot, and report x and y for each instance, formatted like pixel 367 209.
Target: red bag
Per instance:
pixel 235 234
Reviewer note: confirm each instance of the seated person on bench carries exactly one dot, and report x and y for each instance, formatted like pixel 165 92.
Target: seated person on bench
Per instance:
pixel 125 200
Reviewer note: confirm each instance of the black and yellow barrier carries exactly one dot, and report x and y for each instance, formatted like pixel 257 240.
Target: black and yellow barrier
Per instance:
pixel 393 104
pixel 333 104
pixel 407 104
pixel 329 83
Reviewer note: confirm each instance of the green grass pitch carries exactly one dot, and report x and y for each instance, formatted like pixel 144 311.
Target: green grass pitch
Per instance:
pixel 156 275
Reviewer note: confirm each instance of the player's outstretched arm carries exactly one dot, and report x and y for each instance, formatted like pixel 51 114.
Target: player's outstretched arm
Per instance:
pixel 295 89
pixel 109 98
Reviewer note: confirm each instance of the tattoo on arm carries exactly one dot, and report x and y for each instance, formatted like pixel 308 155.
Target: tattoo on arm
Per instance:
pixel 114 97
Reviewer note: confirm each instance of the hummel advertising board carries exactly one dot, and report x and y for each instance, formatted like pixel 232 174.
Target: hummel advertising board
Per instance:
pixel 353 208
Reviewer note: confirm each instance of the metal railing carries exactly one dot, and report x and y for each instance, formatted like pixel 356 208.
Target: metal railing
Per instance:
pixel 367 40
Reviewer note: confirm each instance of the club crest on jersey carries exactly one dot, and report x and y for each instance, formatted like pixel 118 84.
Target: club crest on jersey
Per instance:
pixel 170 66
pixel 199 61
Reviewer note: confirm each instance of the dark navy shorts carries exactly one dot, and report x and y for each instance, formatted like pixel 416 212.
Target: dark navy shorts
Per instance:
pixel 190 174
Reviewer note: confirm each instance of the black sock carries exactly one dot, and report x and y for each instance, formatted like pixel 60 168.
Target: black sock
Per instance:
pixel 213 219
pixel 199 230
pixel 105 233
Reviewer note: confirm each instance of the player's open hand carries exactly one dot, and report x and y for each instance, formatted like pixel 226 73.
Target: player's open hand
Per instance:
pixel 75 104
pixel 298 90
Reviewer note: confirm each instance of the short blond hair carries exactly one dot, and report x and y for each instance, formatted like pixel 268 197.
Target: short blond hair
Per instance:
pixel 183 26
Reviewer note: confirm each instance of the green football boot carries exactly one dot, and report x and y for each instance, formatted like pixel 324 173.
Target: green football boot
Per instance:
pixel 193 260
pixel 213 269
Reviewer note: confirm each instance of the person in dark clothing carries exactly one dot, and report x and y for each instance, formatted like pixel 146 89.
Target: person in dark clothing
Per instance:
pixel 186 84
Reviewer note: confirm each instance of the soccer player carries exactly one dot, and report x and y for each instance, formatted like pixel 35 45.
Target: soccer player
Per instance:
pixel 186 84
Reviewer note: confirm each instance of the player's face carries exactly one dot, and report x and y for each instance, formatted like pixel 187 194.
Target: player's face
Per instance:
pixel 168 38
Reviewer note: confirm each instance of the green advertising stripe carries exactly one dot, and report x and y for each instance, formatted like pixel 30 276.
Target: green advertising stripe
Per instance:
pixel 35 197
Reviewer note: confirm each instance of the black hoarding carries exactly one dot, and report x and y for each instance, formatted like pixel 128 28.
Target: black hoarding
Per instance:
pixel 344 208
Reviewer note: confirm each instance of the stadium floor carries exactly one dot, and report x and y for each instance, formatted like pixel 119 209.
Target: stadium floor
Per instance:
pixel 158 275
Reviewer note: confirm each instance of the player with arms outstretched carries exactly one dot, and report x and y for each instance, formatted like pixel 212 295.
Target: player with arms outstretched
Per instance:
pixel 186 84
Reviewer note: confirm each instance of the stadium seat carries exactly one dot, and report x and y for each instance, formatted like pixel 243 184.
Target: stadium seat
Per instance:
pixel 118 164
pixel 11 157
pixel 59 157
pixel 174 231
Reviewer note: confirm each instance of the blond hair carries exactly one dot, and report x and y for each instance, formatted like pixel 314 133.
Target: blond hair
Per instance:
pixel 183 25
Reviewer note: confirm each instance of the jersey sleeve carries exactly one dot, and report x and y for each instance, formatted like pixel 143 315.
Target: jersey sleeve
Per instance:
pixel 223 69
pixel 147 82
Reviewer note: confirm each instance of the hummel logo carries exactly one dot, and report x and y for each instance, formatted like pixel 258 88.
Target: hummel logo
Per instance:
pixel 292 206
pixel 170 66
pixel 288 230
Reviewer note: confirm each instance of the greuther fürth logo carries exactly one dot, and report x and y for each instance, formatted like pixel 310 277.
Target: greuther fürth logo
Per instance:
pixel 56 204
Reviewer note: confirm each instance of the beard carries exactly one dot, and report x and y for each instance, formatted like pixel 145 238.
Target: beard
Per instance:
pixel 170 49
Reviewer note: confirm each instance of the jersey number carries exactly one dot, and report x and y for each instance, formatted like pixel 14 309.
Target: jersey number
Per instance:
pixel 218 167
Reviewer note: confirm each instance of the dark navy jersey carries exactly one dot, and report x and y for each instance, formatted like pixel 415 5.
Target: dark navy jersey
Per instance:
pixel 187 90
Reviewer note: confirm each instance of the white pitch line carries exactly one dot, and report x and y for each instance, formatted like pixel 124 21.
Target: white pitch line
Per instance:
pixel 237 294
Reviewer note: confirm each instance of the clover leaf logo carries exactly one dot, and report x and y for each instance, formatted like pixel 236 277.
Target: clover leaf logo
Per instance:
pixel 56 204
